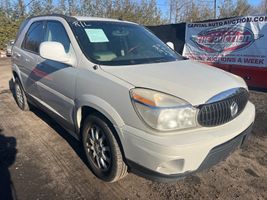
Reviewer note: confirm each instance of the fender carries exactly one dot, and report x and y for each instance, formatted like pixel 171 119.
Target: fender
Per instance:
pixel 100 105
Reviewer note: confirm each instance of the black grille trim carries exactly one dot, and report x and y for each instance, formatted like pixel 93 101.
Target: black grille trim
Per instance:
pixel 217 113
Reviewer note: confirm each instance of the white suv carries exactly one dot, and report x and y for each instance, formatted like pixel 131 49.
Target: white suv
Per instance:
pixel 135 104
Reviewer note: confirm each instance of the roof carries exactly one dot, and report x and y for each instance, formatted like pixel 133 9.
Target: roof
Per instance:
pixel 84 18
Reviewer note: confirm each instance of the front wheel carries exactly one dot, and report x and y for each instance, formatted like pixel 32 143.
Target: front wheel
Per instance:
pixel 102 149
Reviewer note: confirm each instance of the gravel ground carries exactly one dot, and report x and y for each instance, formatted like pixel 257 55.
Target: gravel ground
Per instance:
pixel 39 160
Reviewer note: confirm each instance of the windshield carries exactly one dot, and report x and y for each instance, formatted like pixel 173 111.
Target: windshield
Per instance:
pixel 119 43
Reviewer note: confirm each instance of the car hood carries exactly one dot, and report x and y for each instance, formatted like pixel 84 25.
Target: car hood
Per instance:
pixel 189 80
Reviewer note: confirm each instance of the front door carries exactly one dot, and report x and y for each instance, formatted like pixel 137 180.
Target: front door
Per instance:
pixel 57 87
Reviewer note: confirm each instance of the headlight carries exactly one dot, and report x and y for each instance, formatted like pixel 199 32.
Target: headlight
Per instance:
pixel 162 111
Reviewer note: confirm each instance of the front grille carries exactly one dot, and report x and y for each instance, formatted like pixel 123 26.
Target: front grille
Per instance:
pixel 222 111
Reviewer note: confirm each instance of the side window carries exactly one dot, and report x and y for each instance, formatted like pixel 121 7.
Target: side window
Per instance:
pixel 34 37
pixel 56 32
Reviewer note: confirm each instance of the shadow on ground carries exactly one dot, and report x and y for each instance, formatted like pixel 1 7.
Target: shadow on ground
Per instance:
pixel 76 145
pixel 8 153
pixel 260 125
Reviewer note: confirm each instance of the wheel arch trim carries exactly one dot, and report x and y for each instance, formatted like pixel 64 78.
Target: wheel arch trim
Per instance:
pixel 99 105
pixel 16 72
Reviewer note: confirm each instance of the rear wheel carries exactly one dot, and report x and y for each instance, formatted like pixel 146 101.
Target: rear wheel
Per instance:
pixel 20 96
pixel 102 150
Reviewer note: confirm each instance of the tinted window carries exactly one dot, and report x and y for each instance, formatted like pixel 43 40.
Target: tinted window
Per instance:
pixel 56 32
pixel 34 37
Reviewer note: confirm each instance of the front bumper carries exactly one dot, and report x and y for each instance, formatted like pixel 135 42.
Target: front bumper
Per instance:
pixel 168 157
pixel 216 154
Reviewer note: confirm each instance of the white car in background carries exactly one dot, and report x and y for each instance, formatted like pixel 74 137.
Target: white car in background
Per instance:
pixel 9 48
pixel 135 104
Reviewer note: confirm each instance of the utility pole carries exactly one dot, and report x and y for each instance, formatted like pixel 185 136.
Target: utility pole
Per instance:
pixel 214 11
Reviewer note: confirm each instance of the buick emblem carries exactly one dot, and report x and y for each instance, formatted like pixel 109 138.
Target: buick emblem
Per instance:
pixel 234 109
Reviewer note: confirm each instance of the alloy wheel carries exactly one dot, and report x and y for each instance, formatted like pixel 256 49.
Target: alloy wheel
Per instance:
pixel 98 148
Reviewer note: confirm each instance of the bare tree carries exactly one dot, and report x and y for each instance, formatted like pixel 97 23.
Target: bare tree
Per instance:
pixel 6 7
pixel 143 12
pixel 197 12
pixel 17 10
pixel 240 8
pixel 178 8
pixel 60 7
pixel 72 7
pixel 36 7
pixel 186 10
pixel 48 7
pixel 262 8
pixel 226 9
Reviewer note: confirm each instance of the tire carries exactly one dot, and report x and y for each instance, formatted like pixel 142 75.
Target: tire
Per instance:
pixel 102 150
pixel 20 96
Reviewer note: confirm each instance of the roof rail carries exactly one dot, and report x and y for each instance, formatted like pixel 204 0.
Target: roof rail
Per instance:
pixel 67 18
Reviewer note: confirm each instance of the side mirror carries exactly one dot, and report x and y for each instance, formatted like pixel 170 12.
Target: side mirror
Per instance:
pixel 54 51
pixel 171 45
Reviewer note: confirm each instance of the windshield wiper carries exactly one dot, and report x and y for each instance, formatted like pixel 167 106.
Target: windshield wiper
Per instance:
pixel 161 60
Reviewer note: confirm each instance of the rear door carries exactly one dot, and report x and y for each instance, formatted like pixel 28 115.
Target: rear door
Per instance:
pixel 57 87
pixel 27 57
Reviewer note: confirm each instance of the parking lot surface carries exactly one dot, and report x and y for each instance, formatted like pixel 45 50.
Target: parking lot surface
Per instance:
pixel 39 160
